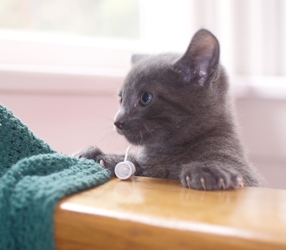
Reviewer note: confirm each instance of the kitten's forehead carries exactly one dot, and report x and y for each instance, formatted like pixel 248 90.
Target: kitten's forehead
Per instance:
pixel 150 69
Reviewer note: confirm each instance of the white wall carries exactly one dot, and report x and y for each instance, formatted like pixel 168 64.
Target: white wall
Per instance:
pixel 67 111
pixel 263 129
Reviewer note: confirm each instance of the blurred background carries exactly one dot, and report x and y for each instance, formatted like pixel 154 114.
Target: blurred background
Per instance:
pixel 63 61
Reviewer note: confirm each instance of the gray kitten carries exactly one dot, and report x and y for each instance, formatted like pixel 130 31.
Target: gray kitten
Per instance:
pixel 177 109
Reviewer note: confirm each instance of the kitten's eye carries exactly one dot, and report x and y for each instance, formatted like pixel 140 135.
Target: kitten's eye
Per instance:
pixel 120 100
pixel 146 98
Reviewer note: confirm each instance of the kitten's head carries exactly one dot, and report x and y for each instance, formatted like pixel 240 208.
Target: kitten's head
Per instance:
pixel 168 99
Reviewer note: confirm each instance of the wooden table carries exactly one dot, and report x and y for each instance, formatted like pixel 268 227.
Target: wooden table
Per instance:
pixel 147 213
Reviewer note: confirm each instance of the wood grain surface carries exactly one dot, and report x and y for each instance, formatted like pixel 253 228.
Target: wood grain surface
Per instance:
pixel 147 213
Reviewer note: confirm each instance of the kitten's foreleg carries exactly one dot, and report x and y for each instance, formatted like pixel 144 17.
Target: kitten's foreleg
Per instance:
pixel 105 160
pixel 108 161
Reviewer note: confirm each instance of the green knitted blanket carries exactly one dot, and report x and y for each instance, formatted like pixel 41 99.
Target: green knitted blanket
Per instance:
pixel 33 177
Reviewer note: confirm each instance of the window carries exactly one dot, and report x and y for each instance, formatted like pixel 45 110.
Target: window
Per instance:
pixel 104 33
pixel 104 18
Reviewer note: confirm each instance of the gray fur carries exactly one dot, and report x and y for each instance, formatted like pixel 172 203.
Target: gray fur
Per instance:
pixel 187 132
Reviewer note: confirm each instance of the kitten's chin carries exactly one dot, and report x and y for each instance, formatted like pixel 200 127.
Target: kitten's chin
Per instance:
pixel 135 138
pixel 119 131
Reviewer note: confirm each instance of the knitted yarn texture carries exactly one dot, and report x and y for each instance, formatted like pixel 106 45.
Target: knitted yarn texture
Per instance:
pixel 16 141
pixel 33 177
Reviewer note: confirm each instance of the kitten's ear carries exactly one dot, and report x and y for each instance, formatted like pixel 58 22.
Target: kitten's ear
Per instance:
pixel 138 57
pixel 199 64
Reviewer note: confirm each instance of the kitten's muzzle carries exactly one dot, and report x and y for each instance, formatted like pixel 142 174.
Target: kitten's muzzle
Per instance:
pixel 119 124
pixel 119 120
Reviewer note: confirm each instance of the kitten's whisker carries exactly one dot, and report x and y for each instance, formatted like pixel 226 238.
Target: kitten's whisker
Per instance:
pixel 141 136
pixel 145 126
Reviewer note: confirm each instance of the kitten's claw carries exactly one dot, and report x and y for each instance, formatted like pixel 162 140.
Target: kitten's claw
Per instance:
pixel 221 184
pixel 101 162
pixel 203 183
pixel 188 181
pixel 240 183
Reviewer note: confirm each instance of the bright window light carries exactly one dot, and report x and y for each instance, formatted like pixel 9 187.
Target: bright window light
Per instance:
pixel 103 18
pixel 104 33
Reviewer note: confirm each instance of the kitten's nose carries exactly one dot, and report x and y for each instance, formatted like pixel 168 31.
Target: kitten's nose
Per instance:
pixel 119 124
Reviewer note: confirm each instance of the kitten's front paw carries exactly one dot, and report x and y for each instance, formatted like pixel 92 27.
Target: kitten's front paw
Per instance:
pixel 105 160
pixel 90 152
pixel 209 178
